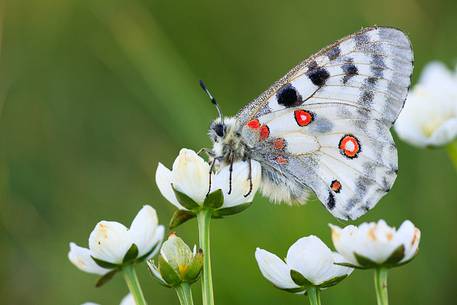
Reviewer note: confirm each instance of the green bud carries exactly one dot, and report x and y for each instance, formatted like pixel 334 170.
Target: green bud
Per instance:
pixel 177 263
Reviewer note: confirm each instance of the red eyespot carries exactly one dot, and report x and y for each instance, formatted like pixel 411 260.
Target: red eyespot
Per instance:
pixel 264 132
pixel 254 124
pixel 349 146
pixel 335 186
pixel 303 117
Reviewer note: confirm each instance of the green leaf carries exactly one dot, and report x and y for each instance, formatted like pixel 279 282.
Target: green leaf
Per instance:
pixel 103 264
pixel 106 278
pixel 231 210
pixel 349 265
pixel 332 282
pixel 185 200
pixel 365 262
pixel 167 272
pixel 180 217
pixel 396 256
pixel 214 200
pixel 195 267
pixel 299 279
pixel 407 261
pixel 131 254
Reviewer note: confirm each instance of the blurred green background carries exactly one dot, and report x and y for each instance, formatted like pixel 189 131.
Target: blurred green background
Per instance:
pixel 93 94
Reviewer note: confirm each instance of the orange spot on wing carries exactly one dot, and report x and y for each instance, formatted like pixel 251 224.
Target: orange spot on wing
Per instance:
pixel 264 132
pixel 281 160
pixel 279 143
pixel 254 124
pixel 335 186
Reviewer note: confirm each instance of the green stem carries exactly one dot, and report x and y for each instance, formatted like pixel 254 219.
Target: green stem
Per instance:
pixel 204 219
pixel 134 285
pixel 314 296
pixel 452 151
pixel 184 294
pixel 380 282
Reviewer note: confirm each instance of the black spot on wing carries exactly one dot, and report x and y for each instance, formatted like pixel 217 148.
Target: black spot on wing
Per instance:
pixel 318 76
pixel 349 70
pixel 366 98
pixel 330 201
pixel 288 96
pixel 333 53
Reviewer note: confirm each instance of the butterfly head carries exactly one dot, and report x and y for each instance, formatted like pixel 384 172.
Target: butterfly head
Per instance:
pixel 226 138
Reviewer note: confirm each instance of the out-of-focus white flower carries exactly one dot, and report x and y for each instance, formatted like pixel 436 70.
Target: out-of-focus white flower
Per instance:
pixel 429 117
pixel 373 244
pixel 309 263
pixel 127 300
pixel 190 176
pixel 111 244
pixel 177 263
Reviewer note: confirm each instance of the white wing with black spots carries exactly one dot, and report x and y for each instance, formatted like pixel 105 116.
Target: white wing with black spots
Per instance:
pixel 325 125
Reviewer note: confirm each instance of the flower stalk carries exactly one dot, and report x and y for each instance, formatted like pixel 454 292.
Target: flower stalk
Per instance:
pixel 380 281
pixel 204 219
pixel 185 294
pixel 314 296
pixel 133 284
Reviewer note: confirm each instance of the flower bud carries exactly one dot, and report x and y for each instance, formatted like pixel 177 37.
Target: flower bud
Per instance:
pixel 177 263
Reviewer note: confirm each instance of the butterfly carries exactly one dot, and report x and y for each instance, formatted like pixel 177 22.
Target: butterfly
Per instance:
pixel 324 126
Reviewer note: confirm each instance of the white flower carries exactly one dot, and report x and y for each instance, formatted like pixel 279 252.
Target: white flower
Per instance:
pixel 429 117
pixel 127 300
pixel 110 241
pixel 190 175
pixel 80 257
pixel 177 263
pixel 376 244
pixel 309 262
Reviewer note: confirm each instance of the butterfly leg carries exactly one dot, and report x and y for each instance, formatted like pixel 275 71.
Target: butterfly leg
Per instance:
pixel 231 157
pixel 250 178
pixel 211 168
pixel 207 151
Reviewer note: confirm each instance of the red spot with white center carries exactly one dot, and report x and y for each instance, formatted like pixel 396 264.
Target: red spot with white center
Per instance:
pixel 279 143
pixel 349 146
pixel 335 186
pixel 254 124
pixel 303 117
pixel 264 132
pixel 281 160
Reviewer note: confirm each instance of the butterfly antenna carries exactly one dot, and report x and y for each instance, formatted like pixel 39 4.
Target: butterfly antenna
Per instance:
pixel 213 100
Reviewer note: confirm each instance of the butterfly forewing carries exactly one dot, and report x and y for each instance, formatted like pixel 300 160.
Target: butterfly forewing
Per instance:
pixel 325 125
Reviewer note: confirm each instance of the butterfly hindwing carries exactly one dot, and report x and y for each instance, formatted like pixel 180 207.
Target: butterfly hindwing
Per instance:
pixel 325 125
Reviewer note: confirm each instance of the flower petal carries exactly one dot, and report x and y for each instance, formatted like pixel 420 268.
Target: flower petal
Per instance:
pixel 409 236
pixel 312 258
pixel 163 181
pixel 190 175
pixel 274 269
pixel 343 240
pixel 142 229
pixel 109 241
pixel 128 300
pixel 157 241
pixel 80 257
pixel 240 182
